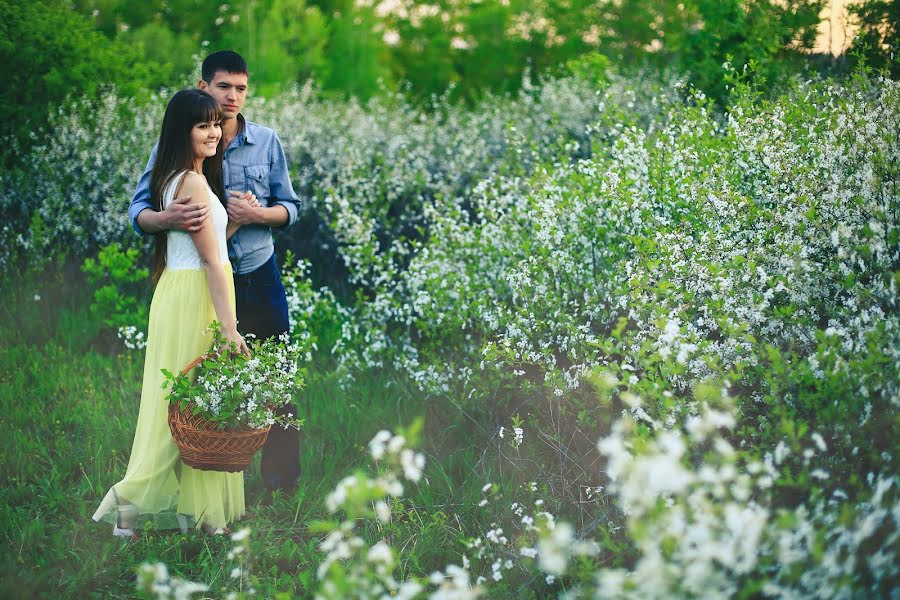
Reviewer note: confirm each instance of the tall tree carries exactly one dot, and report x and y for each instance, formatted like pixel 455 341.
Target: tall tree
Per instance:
pixel 698 36
pixel 879 32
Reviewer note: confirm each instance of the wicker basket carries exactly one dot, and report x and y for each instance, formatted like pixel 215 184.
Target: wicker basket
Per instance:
pixel 207 448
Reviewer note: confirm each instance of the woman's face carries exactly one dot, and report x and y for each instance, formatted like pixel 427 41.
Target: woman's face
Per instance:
pixel 205 137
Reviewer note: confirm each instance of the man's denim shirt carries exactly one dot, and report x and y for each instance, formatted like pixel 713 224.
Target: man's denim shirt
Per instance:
pixel 254 161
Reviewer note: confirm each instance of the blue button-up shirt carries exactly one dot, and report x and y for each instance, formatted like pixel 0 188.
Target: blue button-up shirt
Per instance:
pixel 254 161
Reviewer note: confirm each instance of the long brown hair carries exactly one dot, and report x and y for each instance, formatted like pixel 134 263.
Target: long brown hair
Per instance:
pixel 175 154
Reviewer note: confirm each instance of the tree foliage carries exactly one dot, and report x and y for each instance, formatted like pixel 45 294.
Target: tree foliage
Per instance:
pixel 49 53
pixel 360 47
pixel 879 35
pixel 698 36
pixel 357 47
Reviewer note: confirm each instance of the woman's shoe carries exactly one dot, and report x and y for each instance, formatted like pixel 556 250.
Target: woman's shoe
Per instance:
pixel 125 532
pixel 210 530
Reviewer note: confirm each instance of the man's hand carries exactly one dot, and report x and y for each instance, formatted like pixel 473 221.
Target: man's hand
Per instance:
pixel 242 208
pixel 184 217
pixel 180 216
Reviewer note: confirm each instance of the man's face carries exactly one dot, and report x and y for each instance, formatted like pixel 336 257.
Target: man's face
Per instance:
pixel 229 90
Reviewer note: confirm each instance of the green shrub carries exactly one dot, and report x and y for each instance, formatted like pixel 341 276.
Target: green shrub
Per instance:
pixel 120 287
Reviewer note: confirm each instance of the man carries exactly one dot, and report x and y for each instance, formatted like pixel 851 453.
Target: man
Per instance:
pixel 253 165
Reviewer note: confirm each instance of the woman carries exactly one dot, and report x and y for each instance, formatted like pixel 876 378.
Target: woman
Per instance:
pixel 194 287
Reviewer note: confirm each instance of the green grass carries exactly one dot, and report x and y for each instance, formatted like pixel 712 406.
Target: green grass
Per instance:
pixel 69 397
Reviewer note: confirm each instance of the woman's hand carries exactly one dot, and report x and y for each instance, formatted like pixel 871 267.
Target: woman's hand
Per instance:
pixel 233 339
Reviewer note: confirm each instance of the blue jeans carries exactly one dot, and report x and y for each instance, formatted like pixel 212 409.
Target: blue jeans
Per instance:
pixel 262 310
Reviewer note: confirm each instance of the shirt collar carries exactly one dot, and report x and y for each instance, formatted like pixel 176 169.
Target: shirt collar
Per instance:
pixel 245 134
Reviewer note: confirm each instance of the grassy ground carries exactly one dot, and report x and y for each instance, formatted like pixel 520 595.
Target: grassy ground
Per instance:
pixel 69 398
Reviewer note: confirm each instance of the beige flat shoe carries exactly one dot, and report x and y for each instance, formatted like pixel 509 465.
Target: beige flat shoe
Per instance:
pixel 209 530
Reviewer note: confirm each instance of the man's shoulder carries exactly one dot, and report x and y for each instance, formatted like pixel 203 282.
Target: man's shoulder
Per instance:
pixel 260 133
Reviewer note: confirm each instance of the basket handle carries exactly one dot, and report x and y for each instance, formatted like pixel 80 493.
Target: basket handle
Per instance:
pixel 198 360
pixel 194 363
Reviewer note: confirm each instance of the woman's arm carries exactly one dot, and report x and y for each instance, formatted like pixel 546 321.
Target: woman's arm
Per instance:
pixel 208 248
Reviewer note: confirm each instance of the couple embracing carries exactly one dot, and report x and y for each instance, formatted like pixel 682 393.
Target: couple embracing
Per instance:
pixel 213 188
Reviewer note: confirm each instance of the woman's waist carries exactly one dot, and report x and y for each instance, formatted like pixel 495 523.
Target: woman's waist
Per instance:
pixel 193 270
pixel 183 262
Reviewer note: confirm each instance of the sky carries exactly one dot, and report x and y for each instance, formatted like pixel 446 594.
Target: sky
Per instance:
pixel 834 34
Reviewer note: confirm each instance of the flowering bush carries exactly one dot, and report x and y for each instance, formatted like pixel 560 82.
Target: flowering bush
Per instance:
pixel 756 248
pixel 233 390
pixel 154 578
pixel 316 315
pixel 726 279
pixel 352 568
pixel 71 192
pixel 707 520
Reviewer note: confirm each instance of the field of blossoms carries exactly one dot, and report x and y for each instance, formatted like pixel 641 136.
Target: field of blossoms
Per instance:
pixel 604 338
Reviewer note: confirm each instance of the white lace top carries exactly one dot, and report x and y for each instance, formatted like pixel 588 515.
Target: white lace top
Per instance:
pixel 180 250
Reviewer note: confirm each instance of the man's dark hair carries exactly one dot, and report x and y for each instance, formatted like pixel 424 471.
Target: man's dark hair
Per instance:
pixel 223 60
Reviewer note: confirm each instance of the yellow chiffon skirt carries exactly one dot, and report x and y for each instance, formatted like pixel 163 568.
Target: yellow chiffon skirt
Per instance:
pixel 157 485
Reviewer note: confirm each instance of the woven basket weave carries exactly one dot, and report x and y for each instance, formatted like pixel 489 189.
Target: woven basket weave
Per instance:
pixel 207 448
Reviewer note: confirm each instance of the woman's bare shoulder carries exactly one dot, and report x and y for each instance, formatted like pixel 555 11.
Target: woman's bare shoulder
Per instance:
pixel 193 185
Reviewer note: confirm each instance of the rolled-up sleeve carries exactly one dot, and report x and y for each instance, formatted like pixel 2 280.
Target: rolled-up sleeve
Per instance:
pixel 141 198
pixel 280 188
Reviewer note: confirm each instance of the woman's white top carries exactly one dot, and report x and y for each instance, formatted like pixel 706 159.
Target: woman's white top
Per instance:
pixel 181 253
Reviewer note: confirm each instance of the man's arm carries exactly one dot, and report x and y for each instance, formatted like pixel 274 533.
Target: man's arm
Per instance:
pixel 180 214
pixel 280 186
pixel 140 201
pixel 242 212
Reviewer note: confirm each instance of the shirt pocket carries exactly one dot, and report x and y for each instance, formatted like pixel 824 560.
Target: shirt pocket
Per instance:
pixel 257 178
